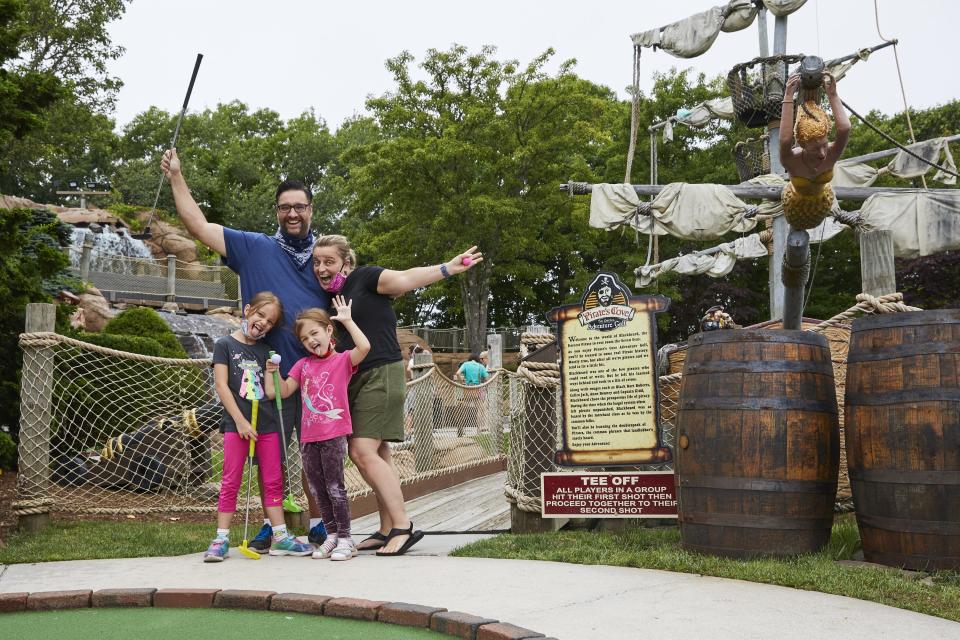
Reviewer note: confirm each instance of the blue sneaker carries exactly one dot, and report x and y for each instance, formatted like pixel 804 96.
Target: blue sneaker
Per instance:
pixel 317 535
pixel 217 550
pixel 289 546
pixel 261 542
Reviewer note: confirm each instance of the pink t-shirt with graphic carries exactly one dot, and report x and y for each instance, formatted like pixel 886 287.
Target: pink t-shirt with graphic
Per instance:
pixel 323 392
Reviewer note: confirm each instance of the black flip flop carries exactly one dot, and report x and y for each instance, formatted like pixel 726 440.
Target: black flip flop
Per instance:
pixel 415 537
pixel 377 537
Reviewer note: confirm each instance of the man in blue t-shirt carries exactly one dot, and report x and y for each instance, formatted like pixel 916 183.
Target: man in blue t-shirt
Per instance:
pixel 281 263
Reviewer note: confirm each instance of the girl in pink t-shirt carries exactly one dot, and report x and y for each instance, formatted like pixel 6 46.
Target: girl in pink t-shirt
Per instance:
pixel 322 378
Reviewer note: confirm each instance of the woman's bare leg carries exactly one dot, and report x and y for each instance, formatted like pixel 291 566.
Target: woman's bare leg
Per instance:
pixel 375 467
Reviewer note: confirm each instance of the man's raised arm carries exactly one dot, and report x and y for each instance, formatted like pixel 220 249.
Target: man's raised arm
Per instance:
pixel 208 233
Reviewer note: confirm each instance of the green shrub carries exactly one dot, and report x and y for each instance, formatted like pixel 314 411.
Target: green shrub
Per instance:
pixel 8 452
pixel 147 323
pixel 130 344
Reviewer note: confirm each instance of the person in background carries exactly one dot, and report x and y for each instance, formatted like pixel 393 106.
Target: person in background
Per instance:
pixel 472 372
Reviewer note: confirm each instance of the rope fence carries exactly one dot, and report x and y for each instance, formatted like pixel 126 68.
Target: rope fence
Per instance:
pixel 107 432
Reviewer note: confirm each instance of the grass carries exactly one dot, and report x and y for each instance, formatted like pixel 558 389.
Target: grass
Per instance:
pixel 93 540
pixel 659 548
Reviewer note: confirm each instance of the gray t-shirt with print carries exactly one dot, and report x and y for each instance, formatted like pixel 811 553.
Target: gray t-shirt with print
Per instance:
pixel 245 371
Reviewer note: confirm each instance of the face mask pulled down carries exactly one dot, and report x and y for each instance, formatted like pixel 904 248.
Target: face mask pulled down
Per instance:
pixel 336 283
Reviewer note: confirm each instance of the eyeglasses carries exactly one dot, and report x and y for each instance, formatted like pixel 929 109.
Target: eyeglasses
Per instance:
pixel 299 207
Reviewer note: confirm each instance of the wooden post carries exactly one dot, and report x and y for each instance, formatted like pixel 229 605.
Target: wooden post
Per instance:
pixel 795 272
pixel 36 390
pixel 171 278
pixel 780 226
pixel 85 255
pixel 424 453
pixel 877 271
pixel 539 446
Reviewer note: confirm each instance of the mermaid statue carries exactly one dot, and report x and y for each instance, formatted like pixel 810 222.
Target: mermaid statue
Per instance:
pixel 808 197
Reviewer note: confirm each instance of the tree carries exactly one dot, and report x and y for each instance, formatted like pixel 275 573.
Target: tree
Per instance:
pixel 24 93
pixel 31 256
pixel 473 154
pixel 70 39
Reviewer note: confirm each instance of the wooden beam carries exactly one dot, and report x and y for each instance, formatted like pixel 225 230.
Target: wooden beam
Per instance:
pixel 768 192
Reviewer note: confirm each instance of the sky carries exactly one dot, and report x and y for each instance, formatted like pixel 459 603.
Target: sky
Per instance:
pixel 295 55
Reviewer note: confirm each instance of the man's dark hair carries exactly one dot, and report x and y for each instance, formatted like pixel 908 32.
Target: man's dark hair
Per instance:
pixel 293 185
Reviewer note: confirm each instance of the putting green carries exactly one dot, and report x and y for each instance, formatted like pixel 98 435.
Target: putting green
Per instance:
pixel 148 623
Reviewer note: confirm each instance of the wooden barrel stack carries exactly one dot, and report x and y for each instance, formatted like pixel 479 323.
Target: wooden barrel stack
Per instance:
pixel 758 443
pixel 902 412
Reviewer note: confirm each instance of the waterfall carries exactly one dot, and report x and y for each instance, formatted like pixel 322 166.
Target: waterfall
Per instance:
pixel 109 249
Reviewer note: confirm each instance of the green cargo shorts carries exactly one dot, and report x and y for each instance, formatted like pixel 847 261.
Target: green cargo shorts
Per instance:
pixel 376 402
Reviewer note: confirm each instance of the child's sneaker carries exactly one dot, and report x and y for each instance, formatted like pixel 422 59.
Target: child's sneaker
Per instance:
pixel 217 550
pixel 344 550
pixel 261 541
pixel 317 535
pixel 290 547
pixel 323 551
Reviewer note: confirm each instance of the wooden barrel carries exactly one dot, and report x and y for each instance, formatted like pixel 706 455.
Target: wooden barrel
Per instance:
pixel 902 411
pixel 758 443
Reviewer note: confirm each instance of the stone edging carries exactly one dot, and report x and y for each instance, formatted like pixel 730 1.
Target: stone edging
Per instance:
pixel 451 623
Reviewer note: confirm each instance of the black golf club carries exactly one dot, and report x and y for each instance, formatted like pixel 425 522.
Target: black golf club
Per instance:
pixel 146 235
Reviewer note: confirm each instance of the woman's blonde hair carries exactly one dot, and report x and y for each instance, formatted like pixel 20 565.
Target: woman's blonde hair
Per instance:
pixel 319 316
pixel 264 298
pixel 341 244
pixel 812 123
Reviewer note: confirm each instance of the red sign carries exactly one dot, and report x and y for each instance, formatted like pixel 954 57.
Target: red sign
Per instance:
pixel 636 494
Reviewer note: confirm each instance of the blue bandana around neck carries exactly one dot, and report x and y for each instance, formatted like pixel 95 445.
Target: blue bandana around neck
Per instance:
pixel 299 250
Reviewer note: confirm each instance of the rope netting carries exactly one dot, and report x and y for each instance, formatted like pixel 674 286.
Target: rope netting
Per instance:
pixel 752 157
pixel 110 432
pixel 756 88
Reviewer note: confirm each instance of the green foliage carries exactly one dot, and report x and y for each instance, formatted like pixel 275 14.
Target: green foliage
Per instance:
pixel 30 255
pixel 8 452
pixel 473 155
pixel 129 343
pixel 24 92
pixel 144 322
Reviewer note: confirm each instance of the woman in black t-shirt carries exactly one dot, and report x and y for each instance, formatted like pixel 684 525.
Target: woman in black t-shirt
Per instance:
pixel 376 392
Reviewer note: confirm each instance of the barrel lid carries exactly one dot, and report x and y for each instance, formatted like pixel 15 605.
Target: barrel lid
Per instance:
pixel 906 319
pixel 787 336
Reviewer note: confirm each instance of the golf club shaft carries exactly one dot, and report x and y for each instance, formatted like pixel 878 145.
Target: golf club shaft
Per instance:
pixel 176 133
pixel 246 511
pixel 283 431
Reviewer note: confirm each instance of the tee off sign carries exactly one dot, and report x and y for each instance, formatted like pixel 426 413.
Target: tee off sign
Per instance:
pixel 638 494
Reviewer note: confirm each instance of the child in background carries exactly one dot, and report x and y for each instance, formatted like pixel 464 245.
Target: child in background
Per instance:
pixel 238 364
pixel 323 377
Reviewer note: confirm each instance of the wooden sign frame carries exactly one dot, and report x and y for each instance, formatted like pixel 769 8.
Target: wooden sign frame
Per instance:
pixel 609 340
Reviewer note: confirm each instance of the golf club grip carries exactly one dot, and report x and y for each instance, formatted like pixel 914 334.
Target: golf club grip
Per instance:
pixel 186 101
pixel 193 78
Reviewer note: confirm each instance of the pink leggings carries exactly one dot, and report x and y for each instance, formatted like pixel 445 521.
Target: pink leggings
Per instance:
pixel 235 450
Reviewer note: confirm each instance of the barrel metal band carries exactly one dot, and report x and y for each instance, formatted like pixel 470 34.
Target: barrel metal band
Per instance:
pixel 755 404
pixel 824 368
pixel 904 396
pixel 858 353
pixel 760 484
pixel 895 476
pixel 751 521
pixel 909 525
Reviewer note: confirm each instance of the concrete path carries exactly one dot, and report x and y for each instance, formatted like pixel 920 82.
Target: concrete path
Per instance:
pixel 570 602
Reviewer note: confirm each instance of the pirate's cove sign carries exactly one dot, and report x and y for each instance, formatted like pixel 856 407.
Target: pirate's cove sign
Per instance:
pixel 608 372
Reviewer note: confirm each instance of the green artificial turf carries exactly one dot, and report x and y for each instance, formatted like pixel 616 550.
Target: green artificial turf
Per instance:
pixel 148 623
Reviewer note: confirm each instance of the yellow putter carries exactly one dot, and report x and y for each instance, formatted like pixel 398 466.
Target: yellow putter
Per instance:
pixel 244 548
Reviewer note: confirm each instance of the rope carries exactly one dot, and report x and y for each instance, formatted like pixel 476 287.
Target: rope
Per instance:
pixel 533 504
pixel 51 339
pixel 866 303
pixel 634 113
pixel 900 146
pixel 903 91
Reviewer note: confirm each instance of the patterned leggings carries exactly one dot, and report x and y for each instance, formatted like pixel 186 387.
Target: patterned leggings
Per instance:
pixel 323 464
